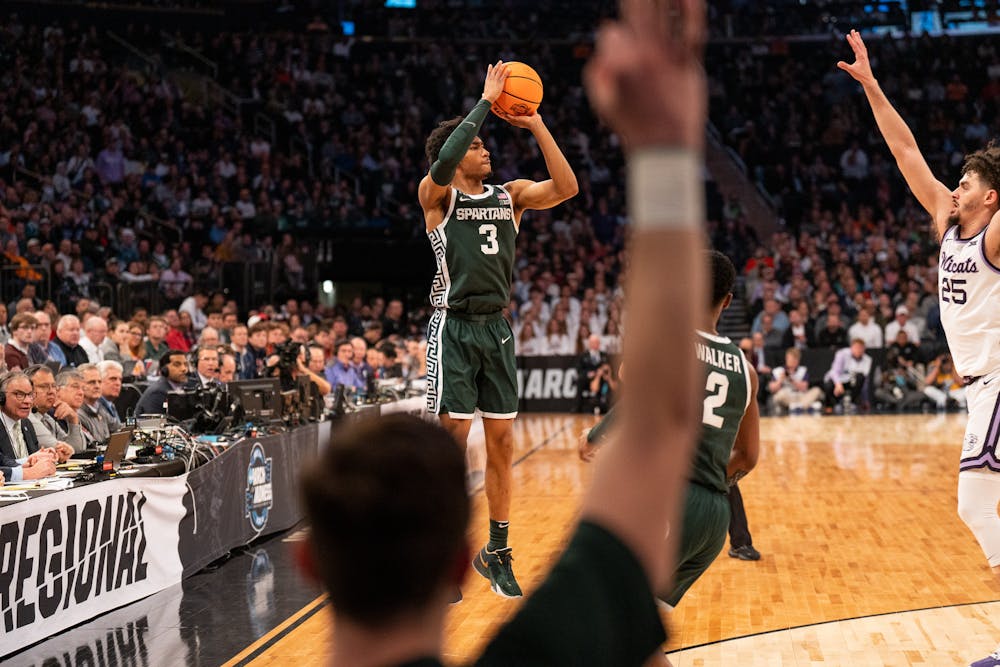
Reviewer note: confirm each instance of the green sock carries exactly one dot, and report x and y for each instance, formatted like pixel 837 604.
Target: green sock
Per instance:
pixel 498 535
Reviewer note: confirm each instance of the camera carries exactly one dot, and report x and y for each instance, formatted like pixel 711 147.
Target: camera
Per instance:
pixel 288 354
pixel 288 363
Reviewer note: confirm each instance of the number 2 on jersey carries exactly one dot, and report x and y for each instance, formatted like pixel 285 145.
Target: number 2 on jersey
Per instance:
pixel 491 247
pixel 717 387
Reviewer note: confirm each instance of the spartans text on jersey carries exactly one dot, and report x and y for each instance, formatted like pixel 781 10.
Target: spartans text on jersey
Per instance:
pixel 484 214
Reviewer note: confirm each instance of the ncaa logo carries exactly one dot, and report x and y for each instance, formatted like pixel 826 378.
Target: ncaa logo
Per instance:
pixel 259 496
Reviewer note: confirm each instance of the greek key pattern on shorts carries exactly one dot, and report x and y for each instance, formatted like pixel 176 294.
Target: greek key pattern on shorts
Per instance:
pixel 434 330
pixel 442 280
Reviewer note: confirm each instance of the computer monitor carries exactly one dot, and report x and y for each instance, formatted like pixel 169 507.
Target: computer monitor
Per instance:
pixel 259 400
pixel 183 406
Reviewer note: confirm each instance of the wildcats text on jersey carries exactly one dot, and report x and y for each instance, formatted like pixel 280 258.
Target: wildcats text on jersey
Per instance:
pixel 719 358
pixel 497 213
pixel 949 264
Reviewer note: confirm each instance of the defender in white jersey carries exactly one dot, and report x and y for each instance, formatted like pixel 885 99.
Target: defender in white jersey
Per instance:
pixel 968 225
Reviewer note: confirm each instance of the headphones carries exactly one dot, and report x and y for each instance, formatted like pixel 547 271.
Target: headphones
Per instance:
pixel 5 381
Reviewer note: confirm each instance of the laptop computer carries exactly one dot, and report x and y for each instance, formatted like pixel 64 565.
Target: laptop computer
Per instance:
pixel 114 454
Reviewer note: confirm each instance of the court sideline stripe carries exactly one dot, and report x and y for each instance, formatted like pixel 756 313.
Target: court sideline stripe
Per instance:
pixel 255 650
pixel 819 623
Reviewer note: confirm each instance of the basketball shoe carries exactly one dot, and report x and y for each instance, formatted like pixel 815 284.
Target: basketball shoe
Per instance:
pixel 746 552
pixel 496 566
pixel 992 660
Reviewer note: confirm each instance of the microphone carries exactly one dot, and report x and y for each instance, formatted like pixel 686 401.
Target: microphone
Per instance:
pixel 215 403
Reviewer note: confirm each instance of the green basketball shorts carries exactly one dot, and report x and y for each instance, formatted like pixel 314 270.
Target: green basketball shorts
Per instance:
pixel 470 364
pixel 703 534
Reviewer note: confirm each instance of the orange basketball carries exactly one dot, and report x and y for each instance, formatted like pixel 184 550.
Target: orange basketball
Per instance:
pixel 522 91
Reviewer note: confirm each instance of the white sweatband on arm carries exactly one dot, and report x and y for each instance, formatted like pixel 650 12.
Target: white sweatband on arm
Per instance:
pixel 666 189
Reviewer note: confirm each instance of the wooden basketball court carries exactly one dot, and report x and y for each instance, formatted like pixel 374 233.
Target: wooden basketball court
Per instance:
pixel 865 561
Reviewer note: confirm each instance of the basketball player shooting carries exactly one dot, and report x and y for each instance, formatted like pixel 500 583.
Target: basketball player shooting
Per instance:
pixel 472 228
pixel 965 220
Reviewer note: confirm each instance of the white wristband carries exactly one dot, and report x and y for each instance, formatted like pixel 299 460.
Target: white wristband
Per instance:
pixel 666 189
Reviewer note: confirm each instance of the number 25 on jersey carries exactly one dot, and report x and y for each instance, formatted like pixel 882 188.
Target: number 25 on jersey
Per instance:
pixel 953 290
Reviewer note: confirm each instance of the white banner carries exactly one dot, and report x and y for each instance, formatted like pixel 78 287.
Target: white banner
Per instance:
pixel 83 552
pixel 141 634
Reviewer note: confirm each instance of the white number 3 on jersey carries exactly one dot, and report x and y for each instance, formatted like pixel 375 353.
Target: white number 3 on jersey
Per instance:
pixel 491 247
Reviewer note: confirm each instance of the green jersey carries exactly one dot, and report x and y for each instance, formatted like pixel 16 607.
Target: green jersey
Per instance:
pixel 727 397
pixel 474 250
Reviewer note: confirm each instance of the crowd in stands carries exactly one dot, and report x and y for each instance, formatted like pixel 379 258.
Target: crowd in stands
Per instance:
pixel 855 258
pixel 806 134
pixel 116 148
pixel 108 175
pixel 355 346
pixel 140 183
pixel 746 19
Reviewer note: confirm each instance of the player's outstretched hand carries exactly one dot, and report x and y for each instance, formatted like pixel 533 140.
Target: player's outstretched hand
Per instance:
pixel 861 68
pixel 646 79
pixel 526 122
pixel 496 75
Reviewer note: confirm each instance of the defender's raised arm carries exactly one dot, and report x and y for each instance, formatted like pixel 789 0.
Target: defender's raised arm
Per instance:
pixel 932 194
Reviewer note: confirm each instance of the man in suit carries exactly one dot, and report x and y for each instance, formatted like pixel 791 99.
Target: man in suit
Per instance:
pixel 70 388
pixel 54 421
pixel 20 456
pixel 173 377
pixel 206 367
pixel 591 363
pixel 111 388
pixel 92 417
pixel 798 334
pixel 246 366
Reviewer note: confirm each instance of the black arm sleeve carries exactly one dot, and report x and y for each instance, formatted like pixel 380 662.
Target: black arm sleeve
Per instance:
pixel 443 169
